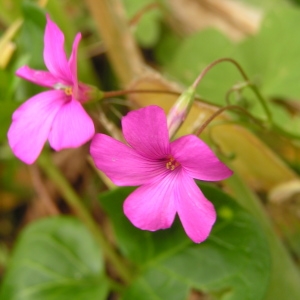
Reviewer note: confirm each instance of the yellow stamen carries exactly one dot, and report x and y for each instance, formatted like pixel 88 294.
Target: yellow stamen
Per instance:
pixel 68 91
pixel 172 164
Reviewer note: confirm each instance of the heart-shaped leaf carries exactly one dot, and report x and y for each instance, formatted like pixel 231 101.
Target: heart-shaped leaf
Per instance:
pixel 55 259
pixel 235 255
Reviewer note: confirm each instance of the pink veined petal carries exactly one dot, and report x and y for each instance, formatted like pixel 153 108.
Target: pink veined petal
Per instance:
pixel 198 159
pixel 73 63
pixel 146 131
pixel 152 206
pixel 31 124
pixel 196 213
pixel 122 164
pixel 42 78
pixel 72 127
pixel 54 53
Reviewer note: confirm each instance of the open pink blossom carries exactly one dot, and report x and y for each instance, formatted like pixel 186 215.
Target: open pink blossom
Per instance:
pixel 56 114
pixel 164 171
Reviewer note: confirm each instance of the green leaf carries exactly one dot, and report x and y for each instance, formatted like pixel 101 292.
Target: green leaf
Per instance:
pixel 55 258
pixel 235 255
pixel 147 30
pixel 7 109
pixel 32 34
pixel 198 51
pixel 30 47
pixel 269 58
pixel 6 79
pixel 9 11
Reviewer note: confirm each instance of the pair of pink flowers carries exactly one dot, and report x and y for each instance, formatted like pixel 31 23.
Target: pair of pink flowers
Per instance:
pixel 164 171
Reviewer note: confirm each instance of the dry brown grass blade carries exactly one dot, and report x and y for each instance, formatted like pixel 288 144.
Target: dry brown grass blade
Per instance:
pixel 233 18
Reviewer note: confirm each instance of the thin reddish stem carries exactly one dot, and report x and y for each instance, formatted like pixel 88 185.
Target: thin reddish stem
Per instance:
pixel 225 59
pixel 219 111
pixel 136 18
pixel 113 94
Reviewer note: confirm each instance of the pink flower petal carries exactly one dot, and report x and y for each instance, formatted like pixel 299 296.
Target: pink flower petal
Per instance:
pixel 152 206
pixel 122 164
pixel 198 159
pixel 196 213
pixel 146 131
pixel 72 127
pixel 73 63
pixel 54 53
pixel 42 78
pixel 31 124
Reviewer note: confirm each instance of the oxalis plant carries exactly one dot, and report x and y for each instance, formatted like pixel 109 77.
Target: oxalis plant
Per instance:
pixel 189 190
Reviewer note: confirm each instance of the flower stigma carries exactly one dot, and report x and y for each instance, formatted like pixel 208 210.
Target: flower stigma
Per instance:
pixel 172 164
pixel 68 91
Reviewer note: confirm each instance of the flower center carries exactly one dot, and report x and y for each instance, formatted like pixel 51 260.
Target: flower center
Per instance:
pixel 171 163
pixel 68 91
pixel 66 88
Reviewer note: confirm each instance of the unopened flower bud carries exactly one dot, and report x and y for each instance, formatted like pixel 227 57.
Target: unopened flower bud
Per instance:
pixel 180 110
pixel 88 93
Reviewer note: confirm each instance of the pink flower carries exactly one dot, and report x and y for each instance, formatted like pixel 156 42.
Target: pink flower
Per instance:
pixel 56 115
pixel 163 170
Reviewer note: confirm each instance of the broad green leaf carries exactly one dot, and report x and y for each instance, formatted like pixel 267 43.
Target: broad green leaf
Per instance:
pixel 285 276
pixel 148 29
pixel 164 51
pixel 235 255
pixel 270 58
pixel 157 284
pixel 55 259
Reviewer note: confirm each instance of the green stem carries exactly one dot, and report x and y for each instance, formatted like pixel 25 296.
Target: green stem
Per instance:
pixel 75 202
pixel 216 62
pixel 245 77
pixel 219 111
pixel 262 101
pixel 112 94
pixel 254 89
pixel 117 93
pixel 143 11
pixel 236 88
pixel 115 286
